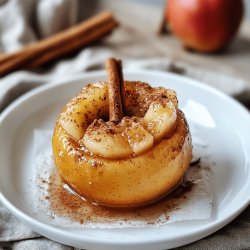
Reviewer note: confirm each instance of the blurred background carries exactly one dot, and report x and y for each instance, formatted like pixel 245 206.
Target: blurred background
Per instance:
pixel 207 40
pixel 161 2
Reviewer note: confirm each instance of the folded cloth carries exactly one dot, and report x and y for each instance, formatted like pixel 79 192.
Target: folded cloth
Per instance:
pixel 23 22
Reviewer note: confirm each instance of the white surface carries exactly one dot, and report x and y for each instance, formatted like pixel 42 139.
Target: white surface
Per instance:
pixel 196 206
pixel 219 120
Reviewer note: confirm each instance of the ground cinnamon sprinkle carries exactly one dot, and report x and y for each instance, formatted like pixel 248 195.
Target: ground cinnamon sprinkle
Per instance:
pixel 66 204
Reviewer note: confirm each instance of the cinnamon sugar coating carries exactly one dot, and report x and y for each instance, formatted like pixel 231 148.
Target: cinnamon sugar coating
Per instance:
pixel 133 180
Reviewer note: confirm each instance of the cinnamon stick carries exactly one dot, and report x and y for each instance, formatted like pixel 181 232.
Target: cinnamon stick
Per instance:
pixel 115 89
pixel 60 44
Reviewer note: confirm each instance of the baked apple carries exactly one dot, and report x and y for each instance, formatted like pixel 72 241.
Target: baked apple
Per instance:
pixel 126 163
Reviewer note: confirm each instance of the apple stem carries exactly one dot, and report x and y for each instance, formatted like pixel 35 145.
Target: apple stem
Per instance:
pixel 163 29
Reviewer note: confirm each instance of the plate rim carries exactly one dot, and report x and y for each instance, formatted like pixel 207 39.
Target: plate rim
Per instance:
pixel 35 223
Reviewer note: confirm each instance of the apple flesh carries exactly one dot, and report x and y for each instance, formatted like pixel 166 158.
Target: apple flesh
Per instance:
pixel 204 25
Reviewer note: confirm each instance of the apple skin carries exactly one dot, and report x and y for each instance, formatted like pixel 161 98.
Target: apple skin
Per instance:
pixel 204 25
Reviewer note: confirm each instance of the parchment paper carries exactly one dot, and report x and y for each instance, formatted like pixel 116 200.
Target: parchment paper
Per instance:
pixel 197 204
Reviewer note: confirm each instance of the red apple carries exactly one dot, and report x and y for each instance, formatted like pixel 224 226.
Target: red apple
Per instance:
pixel 204 25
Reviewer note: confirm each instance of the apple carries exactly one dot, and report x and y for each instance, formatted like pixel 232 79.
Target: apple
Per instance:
pixel 204 25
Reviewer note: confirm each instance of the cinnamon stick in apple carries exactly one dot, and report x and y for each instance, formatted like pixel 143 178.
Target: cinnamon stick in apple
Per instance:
pixel 115 89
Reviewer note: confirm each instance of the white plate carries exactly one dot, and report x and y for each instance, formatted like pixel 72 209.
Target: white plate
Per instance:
pixel 218 119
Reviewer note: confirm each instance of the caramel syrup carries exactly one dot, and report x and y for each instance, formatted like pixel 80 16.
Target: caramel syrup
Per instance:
pixel 64 202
